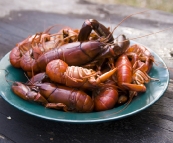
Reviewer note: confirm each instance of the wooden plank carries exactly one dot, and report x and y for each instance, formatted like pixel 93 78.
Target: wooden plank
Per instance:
pixel 40 21
pixel 5 140
pixel 5 50
pixel 10 40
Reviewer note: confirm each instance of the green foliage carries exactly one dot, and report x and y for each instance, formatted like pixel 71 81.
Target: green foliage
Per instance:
pixel 164 5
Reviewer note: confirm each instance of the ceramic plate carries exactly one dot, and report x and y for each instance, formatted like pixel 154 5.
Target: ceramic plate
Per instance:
pixel 155 89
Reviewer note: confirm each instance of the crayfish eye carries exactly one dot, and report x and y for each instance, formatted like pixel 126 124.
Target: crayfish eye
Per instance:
pixel 117 50
pixel 94 23
pixel 32 55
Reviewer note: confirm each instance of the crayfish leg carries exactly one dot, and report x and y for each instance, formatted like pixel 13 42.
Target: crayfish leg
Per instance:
pixel 105 76
pixel 134 87
pixel 57 106
pixel 122 99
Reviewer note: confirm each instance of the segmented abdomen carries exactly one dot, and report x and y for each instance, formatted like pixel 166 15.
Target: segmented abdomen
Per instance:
pixel 15 57
pixel 124 70
pixel 71 76
pixel 75 100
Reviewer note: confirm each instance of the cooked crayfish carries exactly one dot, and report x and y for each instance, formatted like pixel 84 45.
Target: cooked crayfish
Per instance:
pixel 78 54
pixel 29 43
pixel 132 75
pixel 73 76
pixel 125 75
pixel 25 54
pixel 55 96
pixel 83 52
pixel 138 53
pixel 106 96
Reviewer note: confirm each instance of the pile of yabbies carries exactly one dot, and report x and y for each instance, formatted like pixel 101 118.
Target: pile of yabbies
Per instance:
pixel 81 70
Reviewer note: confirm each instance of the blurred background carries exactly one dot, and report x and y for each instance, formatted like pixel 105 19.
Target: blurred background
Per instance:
pixel 165 5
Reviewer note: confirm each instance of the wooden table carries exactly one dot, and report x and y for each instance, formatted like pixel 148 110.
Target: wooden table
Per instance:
pixel 155 124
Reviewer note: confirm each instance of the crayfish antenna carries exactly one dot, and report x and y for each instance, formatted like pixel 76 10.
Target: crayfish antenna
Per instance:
pixel 51 27
pixel 154 79
pixel 122 22
pixel 28 79
pixel 152 33
pixel 7 72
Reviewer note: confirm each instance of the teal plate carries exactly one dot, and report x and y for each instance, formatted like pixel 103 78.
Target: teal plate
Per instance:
pixel 155 89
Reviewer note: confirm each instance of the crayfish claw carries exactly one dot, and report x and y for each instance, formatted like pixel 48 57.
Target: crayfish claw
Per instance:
pixel 105 76
pixel 26 93
pixel 39 98
pixel 100 29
